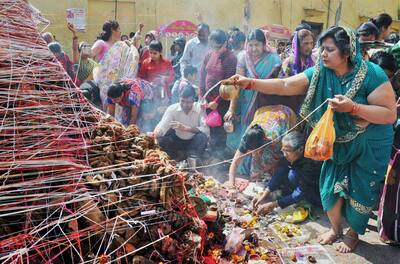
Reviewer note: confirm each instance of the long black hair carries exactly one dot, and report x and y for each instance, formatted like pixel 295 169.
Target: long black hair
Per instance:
pixel 258 35
pixel 117 89
pixel 382 20
pixel 341 39
pixel 156 45
pixel 252 139
pixel 108 28
pixel 92 92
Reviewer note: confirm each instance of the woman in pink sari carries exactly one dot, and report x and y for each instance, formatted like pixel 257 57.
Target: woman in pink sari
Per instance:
pixel 111 34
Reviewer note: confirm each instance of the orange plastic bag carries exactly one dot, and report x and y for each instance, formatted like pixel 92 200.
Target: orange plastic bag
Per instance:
pixel 319 145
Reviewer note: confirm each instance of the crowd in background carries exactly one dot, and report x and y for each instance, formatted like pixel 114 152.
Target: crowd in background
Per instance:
pixel 176 99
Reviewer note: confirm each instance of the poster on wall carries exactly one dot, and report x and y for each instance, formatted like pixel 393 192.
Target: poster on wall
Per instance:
pixel 77 17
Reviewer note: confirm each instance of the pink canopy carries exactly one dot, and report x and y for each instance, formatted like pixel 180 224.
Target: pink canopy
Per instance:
pixel 177 28
pixel 277 31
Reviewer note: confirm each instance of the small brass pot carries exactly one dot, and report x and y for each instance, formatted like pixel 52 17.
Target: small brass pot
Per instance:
pixel 229 91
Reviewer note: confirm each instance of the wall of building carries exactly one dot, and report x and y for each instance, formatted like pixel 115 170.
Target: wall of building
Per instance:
pixel 218 13
pixel 55 12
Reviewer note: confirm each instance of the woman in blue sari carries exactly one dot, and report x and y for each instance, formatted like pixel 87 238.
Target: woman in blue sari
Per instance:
pixel 365 109
pixel 256 62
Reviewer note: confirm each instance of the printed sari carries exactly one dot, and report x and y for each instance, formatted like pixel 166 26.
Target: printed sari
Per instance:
pixel 247 102
pixel 361 154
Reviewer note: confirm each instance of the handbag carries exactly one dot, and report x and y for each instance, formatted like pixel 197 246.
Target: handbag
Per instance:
pixel 214 119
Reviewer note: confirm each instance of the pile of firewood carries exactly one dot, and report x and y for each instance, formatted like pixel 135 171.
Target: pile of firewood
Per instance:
pixel 135 181
pixel 77 187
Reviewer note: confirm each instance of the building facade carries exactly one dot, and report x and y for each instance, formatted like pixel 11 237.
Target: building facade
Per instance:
pixel 217 13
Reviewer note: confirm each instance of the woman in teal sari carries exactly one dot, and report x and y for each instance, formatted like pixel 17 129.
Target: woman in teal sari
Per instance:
pixel 365 109
pixel 256 62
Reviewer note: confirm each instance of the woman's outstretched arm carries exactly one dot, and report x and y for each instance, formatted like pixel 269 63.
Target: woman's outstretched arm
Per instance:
pixel 295 85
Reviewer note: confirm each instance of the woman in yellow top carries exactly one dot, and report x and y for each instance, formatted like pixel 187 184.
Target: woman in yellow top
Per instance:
pixel 268 125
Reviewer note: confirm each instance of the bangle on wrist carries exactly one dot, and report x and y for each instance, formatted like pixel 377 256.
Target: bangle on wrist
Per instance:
pixel 251 85
pixel 75 37
pixel 355 108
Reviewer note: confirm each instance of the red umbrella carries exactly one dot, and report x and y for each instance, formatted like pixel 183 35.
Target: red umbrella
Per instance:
pixel 178 28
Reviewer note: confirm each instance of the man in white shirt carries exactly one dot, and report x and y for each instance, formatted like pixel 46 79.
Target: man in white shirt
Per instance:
pixel 182 132
pixel 196 48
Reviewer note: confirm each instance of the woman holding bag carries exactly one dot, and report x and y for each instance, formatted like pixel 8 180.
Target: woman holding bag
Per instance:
pixel 364 104
pixel 219 64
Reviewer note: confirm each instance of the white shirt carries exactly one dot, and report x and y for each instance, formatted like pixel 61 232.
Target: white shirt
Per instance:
pixel 195 118
pixel 194 53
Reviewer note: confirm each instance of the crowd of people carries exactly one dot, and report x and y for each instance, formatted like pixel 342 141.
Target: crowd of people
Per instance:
pixel 176 99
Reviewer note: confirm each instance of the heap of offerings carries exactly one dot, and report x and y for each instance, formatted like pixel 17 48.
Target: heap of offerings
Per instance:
pixel 236 235
pixel 77 187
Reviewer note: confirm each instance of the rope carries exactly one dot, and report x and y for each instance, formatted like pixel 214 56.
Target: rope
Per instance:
pixel 263 146
pixel 44 154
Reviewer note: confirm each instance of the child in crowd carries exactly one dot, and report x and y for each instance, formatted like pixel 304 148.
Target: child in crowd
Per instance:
pixel 189 78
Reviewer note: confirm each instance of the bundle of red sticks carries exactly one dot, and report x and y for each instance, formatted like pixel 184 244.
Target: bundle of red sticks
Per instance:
pixel 75 186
